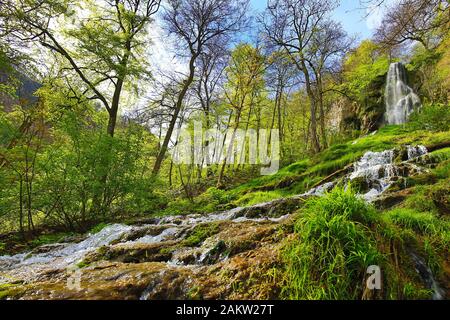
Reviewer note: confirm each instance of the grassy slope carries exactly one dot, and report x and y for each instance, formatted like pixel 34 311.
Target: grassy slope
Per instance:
pixel 338 236
pixel 302 175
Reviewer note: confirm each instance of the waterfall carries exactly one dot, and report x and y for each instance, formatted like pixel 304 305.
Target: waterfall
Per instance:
pixel 401 100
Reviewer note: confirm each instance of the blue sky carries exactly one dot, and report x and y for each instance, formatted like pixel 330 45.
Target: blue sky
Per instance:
pixel 349 13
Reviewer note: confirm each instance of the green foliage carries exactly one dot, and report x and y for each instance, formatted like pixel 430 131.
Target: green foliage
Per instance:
pixel 78 174
pixel 213 197
pixel 362 66
pixel 99 227
pixel 47 239
pixel 432 117
pixel 258 197
pixel 332 248
pixel 179 207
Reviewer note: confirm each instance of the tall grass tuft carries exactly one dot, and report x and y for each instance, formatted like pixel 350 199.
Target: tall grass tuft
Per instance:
pixel 332 250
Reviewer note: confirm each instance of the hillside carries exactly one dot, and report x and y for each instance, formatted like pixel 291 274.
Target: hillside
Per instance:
pixel 258 251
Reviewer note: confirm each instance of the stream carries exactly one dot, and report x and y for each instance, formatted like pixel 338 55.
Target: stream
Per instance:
pixel 377 170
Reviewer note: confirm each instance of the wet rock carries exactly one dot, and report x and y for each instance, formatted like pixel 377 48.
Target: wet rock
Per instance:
pixel 215 254
pixel 113 281
pixel 272 209
pixel 133 253
pixel 145 221
pixel 73 239
pixel 152 231
pixel 392 199
pixel 186 256
pixel 48 248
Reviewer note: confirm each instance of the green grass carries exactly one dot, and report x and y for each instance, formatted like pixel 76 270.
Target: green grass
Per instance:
pixel 258 197
pixel 99 227
pixel 304 174
pixel 337 236
pixel 423 223
pixel 332 249
pixel 48 239
pixel 442 154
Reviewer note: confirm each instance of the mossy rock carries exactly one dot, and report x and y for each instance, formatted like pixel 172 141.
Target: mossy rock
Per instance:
pixel 422 179
pixel 274 209
pixel 441 197
pixel 219 250
pixel 11 291
pixel 133 253
pixel 200 233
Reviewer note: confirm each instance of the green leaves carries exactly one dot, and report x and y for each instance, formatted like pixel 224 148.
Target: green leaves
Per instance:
pixel 361 67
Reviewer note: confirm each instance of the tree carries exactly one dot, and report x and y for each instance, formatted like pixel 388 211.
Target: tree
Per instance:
pixel 200 26
pixel 413 20
pixel 210 78
pixel 329 45
pixel 291 26
pixel 281 75
pixel 362 82
pixel 98 42
pixel 245 79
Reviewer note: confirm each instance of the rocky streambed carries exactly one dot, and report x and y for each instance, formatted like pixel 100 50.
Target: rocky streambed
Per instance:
pixel 227 255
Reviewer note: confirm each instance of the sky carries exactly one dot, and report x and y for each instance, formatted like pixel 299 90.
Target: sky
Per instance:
pixel 354 19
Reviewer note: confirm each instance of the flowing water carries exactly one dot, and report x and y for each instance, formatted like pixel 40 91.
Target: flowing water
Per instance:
pixel 376 168
pixel 401 100
pixel 379 170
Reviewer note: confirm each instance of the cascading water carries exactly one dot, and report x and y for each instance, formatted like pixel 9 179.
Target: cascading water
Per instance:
pixel 377 169
pixel 63 255
pixel 401 100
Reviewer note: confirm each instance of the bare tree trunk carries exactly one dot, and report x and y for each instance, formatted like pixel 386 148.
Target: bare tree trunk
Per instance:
pixel 322 113
pixel 21 207
pixel 312 98
pixel 173 121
